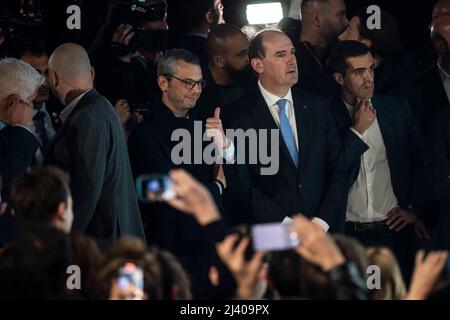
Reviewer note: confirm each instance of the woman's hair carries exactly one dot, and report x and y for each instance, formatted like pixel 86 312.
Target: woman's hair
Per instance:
pixel 392 284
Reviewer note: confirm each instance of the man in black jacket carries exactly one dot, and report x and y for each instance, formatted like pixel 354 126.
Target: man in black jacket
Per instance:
pixel 385 153
pixel 160 144
pixel 91 146
pixel 19 83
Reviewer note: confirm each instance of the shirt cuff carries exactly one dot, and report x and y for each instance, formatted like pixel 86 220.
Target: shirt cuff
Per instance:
pixel 219 186
pixel 228 153
pixel 321 223
pixel 357 133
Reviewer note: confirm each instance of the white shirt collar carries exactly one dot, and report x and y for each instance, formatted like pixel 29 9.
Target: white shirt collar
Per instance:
pixel 272 99
pixel 69 108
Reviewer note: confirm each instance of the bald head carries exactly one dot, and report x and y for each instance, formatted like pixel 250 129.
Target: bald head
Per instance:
pixel 442 7
pixel 71 64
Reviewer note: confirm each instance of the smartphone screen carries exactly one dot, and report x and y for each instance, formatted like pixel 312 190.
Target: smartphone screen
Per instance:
pixel 130 275
pixel 273 237
pixel 154 188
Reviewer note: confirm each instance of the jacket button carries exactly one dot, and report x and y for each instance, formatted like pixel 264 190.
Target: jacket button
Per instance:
pixel 300 186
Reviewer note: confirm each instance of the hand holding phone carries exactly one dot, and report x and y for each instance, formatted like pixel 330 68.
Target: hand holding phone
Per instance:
pixel 154 188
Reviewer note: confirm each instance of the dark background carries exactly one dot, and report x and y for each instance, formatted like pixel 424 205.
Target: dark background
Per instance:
pixel 413 19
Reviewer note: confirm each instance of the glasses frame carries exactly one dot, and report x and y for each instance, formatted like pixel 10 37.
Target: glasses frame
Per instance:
pixel 189 84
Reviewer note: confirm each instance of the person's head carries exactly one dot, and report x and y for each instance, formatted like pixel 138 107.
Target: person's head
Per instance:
pixel 383 42
pixel 35 265
pixel 175 281
pixel 392 285
pixel 33 52
pixel 272 57
pixel 284 274
pixel 69 70
pixel 352 65
pixel 19 83
pixel 440 9
pixel 86 255
pixel 129 249
pixel 227 47
pixel 42 195
pixel 326 18
pixel 202 13
pixel 440 37
pixel 180 80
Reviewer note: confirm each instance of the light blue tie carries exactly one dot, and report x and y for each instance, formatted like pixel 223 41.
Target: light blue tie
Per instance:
pixel 286 131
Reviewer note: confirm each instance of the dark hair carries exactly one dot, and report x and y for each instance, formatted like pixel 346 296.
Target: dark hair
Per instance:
pixel 256 48
pixel 337 61
pixel 167 63
pixel 284 272
pixel 35 265
pixel 36 195
pixel 194 11
pixel 386 40
pixel 218 35
pixel 173 276
pixel 20 47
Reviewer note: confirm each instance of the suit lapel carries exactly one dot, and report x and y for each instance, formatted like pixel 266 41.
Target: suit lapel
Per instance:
pixel 386 126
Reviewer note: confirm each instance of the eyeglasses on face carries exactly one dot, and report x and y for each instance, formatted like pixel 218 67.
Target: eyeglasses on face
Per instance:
pixel 189 83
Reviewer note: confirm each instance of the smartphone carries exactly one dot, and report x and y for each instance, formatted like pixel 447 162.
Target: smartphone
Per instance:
pixel 154 188
pixel 130 274
pixel 274 237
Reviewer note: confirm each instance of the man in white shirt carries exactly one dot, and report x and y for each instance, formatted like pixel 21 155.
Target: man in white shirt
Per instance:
pixel 384 151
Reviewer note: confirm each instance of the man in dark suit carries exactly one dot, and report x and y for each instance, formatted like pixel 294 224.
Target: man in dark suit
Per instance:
pixel 200 16
pixel 434 82
pixel 385 153
pixel 91 146
pixel 308 180
pixel 440 164
pixel 153 149
pixel 19 83
pixel 322 22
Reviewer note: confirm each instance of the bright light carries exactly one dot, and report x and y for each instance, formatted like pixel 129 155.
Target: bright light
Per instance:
pixel 264 13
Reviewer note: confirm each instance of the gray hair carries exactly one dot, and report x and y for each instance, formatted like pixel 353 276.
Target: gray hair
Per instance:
pixel 168 61
pixel 18 77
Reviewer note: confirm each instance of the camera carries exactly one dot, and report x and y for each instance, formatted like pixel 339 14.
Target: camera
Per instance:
pixel 136 12
pixel 154 188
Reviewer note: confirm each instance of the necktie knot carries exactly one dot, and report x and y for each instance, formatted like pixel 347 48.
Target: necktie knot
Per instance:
pixel 282 104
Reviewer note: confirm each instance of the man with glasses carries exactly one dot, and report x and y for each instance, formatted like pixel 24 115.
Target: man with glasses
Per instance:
pixel 153 148
pixel 19 83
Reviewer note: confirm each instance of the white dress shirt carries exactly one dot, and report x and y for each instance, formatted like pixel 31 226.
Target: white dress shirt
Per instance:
pixel 445 80
pixel 271 101
pixel 69 108
pixel 371 197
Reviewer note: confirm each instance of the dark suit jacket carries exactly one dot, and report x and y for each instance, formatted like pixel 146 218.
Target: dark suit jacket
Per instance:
pixel 405 144
pixel 91 146
pixel 440 164
pixel 17 149
pixel 432 93
pixel 315 188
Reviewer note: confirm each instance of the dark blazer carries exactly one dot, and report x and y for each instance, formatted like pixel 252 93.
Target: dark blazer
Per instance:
pixel 17 149
pixel 432 93
pixel 405 144
pixel 440 164
pixel 91 146
pixel 315 187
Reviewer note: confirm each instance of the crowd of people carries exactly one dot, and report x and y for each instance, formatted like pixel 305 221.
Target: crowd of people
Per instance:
pixel 361 140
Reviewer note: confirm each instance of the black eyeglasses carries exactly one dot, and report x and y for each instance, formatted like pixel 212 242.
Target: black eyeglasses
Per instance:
pixel 188 83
